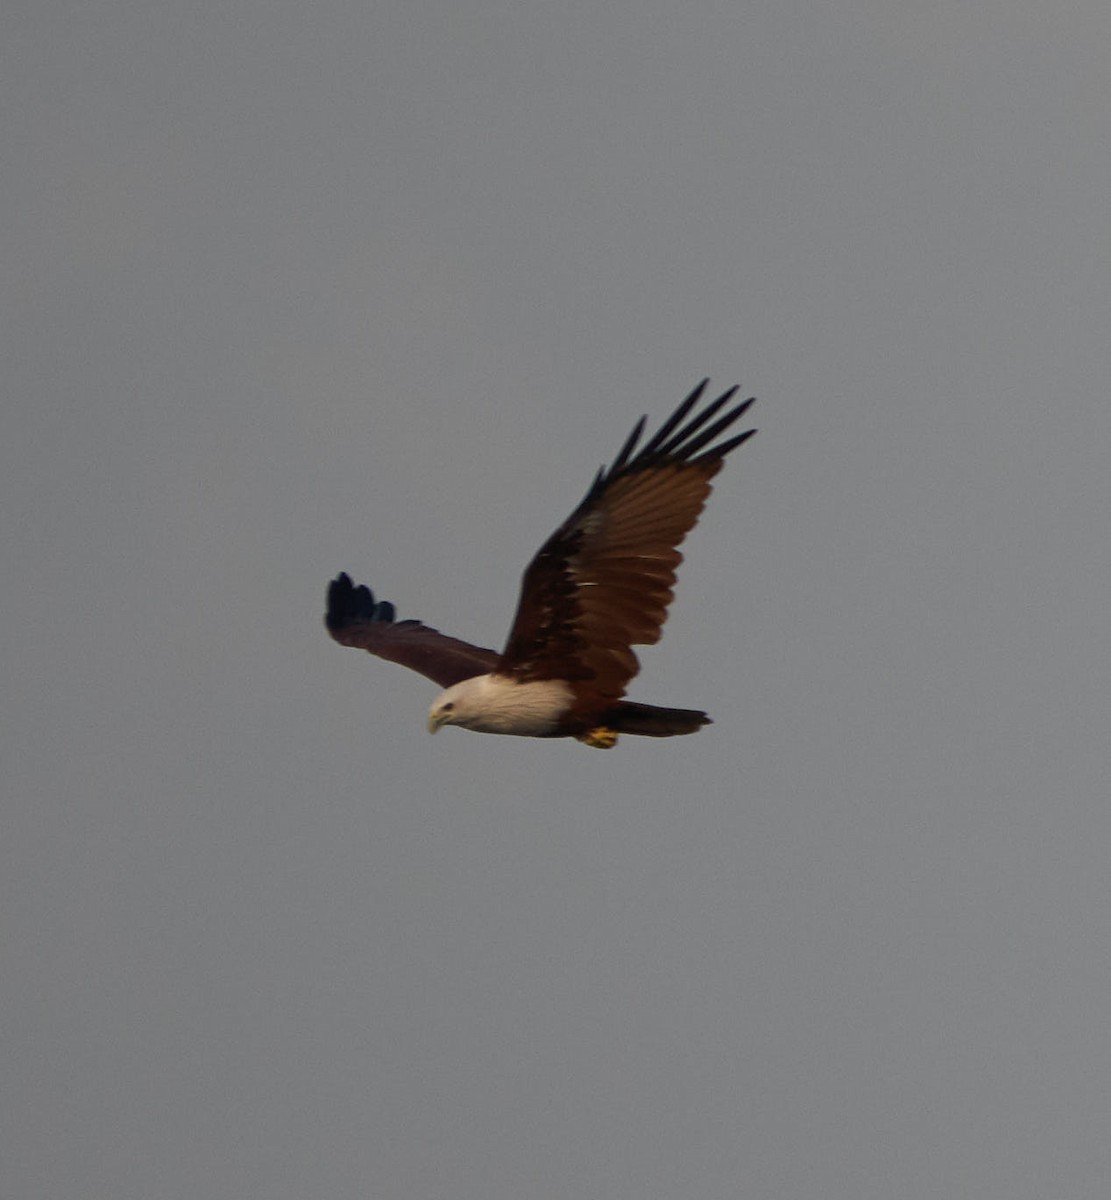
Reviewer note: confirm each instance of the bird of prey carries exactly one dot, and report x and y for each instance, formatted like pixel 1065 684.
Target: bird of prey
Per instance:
pixel 599 585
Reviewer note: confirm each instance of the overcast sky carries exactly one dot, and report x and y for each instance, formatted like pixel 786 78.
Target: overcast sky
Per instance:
pixel 292 288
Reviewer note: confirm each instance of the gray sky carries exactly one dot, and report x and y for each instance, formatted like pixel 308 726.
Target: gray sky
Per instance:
pixel 291 289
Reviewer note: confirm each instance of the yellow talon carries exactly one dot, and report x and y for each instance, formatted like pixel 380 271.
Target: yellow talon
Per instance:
pixel 600 737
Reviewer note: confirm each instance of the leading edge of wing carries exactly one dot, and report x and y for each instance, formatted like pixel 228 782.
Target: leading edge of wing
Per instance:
pixel 354 618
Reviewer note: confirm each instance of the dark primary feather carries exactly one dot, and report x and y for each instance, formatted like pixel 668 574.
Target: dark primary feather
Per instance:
pixel 603 581
pixel 354 618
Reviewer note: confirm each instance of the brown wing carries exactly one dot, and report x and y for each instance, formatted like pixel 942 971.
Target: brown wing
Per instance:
pixel 354 619
pixel 603 581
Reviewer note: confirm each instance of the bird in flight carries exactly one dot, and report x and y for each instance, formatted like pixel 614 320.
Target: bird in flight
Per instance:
pixel 599 585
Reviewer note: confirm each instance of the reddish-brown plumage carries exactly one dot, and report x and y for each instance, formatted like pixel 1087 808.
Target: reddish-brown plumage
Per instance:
pixel 354 618
pixel 601 584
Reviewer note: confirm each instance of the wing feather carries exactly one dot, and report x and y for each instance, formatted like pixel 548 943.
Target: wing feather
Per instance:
pixel 602 583
pixel 666 429
pixel 354 618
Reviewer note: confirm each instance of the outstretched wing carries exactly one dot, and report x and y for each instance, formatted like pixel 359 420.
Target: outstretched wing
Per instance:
pixel 603 581
pixel 354 619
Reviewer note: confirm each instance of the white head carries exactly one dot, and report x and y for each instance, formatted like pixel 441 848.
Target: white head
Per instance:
pixel 460 704
pixel 497 704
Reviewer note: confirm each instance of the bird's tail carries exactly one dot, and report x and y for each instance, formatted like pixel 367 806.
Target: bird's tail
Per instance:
pixel 650 721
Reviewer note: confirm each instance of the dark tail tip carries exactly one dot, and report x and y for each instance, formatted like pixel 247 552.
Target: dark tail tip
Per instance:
pixel 649 721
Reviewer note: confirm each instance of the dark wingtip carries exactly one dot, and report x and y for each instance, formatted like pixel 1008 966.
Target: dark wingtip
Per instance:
pixel 348 603
pixel 686 438
pixel 661 435
pixel 719 452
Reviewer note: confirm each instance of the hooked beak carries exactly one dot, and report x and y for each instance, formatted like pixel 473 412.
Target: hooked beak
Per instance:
pixel 435 720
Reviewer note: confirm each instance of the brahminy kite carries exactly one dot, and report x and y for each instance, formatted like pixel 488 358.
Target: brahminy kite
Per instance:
pixel 599 585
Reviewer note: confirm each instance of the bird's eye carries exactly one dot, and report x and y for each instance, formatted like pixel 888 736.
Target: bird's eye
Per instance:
pixel 449 707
